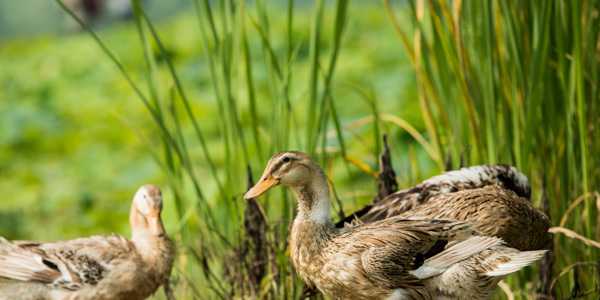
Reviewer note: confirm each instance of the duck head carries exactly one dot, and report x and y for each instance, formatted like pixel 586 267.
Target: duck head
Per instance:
pixel 146 210
pixel 291 169
pixel 297 171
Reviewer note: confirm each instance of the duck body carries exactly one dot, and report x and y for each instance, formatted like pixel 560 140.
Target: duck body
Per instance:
pixel 97 267
pixel 396 257
pixel 493 211
pixel 493 198
pixel 381 260
pixel 88 268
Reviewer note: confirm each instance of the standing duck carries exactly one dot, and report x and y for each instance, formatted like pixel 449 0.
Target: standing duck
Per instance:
pixel 393 258
pixel 493 198
pixel 97 267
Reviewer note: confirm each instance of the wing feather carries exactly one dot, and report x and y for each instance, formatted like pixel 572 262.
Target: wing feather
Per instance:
pixel 453 255
pixel 67 264
pixel 388 248
pixel 21 264
pixel 475 177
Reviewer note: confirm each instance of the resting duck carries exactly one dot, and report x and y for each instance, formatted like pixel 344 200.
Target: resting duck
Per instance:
pixel 97 267
pixel 493 198
pixel 392 258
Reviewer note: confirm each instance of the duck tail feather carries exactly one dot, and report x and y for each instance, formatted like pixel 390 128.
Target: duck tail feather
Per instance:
pixel 19 264
pixel 518 260
pixel 455 254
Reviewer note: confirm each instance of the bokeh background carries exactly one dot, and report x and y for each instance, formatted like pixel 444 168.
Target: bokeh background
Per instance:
pixel 227 83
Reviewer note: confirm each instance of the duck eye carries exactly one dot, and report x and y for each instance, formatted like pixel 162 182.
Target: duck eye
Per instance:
pixel 286 159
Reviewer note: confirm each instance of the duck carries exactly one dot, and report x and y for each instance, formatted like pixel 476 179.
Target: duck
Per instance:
pixel 392 258
pixel 495 199
pixel 96 267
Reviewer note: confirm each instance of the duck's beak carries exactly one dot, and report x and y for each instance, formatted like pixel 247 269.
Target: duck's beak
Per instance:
pixel 264 184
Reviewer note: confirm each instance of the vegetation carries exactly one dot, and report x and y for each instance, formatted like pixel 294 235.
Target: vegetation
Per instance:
pixel 229 84
pixel 516 82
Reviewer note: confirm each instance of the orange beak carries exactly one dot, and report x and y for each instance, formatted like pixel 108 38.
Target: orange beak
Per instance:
pixel 263 185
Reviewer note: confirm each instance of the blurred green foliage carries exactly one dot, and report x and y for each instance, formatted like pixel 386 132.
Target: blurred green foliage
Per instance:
pixel 75 141
pixel 71 145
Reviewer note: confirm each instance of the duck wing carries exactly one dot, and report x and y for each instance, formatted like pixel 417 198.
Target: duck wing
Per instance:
pixel 20 264
pixel 68 264
pixel 493 211
pixel 399 253
pixel 475 177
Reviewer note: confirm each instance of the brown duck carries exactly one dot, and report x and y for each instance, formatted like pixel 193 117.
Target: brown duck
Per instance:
pixel 392 258
pixel 97 267
pixel 493 198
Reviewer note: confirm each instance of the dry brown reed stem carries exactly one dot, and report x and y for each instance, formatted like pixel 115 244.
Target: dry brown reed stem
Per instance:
pixel 397 121
pixel 598 209
pixel 507 291
pixel 572 266
pixel 574 235
pixel 575 203
pixel 255 244
pixel 386 180
pixel 168 291
pixel 547 263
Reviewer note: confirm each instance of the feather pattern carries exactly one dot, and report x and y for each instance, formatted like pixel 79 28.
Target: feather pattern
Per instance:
pixel 469 178
pixel 20 264
pixel 454 254
pixel 69 264
pixel 495 199
pixel 96 267
pixel 385 257
pixel 344 263
pixel 478 276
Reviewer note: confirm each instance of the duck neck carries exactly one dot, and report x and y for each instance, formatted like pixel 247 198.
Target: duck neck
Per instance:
pixel 313 200
pixel 150 239
pixel 312 228
pixel 145 226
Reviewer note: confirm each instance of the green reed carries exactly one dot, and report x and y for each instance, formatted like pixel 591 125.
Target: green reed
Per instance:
pixel 516 82
pixel 497 82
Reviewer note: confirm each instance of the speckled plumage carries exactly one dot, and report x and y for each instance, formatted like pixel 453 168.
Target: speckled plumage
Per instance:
pixel 493 211
pixel 477 277
pixel 97 267
pixel 391 258
pixel 494 199
pixel 374 260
